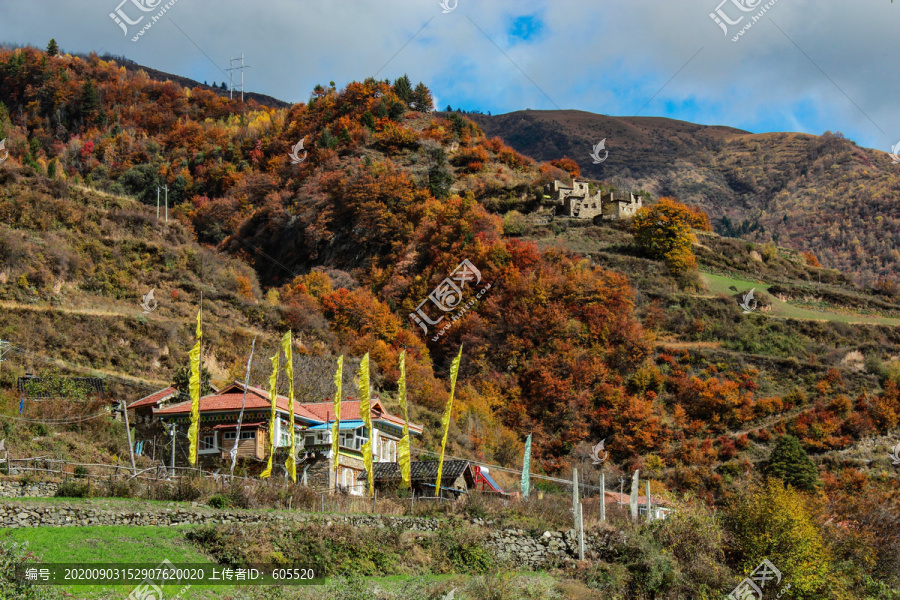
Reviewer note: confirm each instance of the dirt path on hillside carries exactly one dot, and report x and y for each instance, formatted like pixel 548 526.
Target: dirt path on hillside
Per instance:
pixel 50 308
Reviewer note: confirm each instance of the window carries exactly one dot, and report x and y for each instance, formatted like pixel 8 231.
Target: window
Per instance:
pixel 245 435
pixel 207 442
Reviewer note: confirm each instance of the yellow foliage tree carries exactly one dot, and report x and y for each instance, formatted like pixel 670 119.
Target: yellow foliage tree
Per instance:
pixel 774 521
pixel 665 231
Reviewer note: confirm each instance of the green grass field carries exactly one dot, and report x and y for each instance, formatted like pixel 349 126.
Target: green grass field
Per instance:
pixel 718 284
pixel 120 545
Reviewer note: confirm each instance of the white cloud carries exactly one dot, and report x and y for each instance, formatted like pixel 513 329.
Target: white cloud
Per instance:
pixel 609 57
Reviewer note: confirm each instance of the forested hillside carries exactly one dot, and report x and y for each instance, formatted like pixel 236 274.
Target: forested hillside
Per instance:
pixel 582 334
pixel 822 194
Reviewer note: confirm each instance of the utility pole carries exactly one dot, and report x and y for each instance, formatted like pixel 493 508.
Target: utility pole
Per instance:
pixel 128 433
pixel 172 433
pixel 167 202
pixel 231 68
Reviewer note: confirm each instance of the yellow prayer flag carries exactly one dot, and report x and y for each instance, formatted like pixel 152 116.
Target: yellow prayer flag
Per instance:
pixel 194 390
pixel 403 446
pixel 336 426
pixel 273 394
pixel 365 412
pixel 291 462
pixel 445 420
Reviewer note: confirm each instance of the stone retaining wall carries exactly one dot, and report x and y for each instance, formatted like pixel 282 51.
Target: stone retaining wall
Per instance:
pixel 17 489
pixel 519 546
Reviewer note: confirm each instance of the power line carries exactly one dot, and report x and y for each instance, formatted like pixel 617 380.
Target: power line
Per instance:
pixel 499 468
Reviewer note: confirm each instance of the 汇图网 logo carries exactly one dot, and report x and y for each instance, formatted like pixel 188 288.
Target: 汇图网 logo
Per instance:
pixel 149 303
pixel 748 298
pixel 601 145
pixel 296 159
pixel 448 296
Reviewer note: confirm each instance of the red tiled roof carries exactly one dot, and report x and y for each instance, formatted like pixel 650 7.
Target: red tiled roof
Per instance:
pixel 229 398
pixel 256 399
pixel 154 398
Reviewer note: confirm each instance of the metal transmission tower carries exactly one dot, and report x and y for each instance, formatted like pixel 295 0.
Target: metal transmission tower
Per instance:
pixel 241 68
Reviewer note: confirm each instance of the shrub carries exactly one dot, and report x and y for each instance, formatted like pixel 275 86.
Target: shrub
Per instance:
pixel 80 472
pixel 513 223
pixel 220 501
pixel 73 489
pixel 15 556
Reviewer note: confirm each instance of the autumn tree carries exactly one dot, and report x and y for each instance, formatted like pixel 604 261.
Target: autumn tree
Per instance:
pixel 790 463
pixel 664 231
pixel 568 165
pixel 774 522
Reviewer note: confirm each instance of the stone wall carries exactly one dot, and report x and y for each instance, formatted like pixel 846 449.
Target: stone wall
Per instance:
pixel 17 489
pixel 519 546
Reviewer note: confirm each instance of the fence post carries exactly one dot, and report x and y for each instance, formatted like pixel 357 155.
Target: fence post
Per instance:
pixel 602 497
pixel 580 531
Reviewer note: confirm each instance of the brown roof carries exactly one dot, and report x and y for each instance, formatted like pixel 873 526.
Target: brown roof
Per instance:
pixel 419 470
pixel 154 398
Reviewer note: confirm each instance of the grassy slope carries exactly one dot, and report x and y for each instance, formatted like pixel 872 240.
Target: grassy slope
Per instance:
pixel 719 284
pixel 76 264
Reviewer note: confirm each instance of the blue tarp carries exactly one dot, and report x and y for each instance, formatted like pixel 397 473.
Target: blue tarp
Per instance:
pixel 351 424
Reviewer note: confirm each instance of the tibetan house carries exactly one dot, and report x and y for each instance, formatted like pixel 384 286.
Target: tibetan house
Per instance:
pixel 312 425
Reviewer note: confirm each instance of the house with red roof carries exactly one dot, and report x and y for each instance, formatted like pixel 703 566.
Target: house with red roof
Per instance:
pixel 218 433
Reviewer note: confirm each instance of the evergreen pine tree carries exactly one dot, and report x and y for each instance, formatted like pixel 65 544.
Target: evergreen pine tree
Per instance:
pixel 422 98
pixel 90 100
pixel 403 89
pixel 182 377
pixel 52 48
pixel 790 463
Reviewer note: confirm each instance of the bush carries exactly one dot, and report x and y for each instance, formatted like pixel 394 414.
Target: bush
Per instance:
pixel 220 501
pixel 73 489
pixel 13 556
pixel 513 223
pixel 80 472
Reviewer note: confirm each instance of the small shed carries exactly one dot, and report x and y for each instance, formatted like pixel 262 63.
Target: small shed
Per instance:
pixel 457 477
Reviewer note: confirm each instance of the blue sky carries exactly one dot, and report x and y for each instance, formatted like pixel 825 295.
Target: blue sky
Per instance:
pixel 801 66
